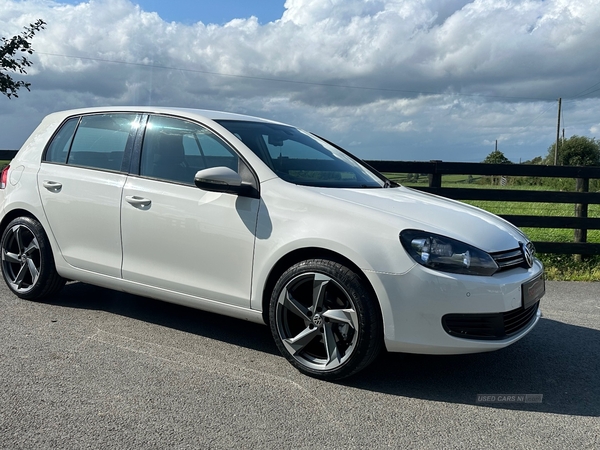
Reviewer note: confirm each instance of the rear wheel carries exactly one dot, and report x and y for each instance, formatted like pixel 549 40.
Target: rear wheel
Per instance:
pixel 324 319
pixel 27 262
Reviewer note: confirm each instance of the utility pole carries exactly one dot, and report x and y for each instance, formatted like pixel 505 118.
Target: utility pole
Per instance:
pixel 557 135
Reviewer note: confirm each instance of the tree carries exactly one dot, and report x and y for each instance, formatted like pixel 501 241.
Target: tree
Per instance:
pixel 576 151
pixel 537 160
pixel 496 157
pixel 11 63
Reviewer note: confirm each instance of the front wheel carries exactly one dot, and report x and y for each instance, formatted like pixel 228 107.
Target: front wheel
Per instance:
pixel 325 320
pixel 27 262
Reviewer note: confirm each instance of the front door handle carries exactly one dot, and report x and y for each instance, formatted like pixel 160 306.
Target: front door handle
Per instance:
pixel 52 186
pixel 138 202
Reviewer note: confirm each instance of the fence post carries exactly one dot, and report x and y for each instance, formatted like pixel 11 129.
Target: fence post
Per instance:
pixel 435 178
pixel 581 210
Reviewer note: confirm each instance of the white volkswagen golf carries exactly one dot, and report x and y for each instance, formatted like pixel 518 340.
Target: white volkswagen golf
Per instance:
pixel 261 221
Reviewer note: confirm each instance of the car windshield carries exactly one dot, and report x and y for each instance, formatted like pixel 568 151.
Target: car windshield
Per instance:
pixel 300 158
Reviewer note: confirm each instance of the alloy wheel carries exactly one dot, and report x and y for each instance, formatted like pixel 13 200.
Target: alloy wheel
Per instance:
pixel 21 259
pixel 317 321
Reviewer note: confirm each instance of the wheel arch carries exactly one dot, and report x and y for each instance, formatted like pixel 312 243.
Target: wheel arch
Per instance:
pixel 302 254
pixel 36 277
pixel 13 214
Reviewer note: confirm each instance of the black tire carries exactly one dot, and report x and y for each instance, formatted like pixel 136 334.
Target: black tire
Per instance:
pixel 27 262
pixel 324 319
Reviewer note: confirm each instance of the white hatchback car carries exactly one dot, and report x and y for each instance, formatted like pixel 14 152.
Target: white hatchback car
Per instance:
pixel 261 221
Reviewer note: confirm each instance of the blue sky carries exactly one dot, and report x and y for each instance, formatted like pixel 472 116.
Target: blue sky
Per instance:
pixel 211 11
pixel 386 79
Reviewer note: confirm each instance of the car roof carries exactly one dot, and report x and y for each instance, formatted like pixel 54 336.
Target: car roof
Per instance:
pixel 191 113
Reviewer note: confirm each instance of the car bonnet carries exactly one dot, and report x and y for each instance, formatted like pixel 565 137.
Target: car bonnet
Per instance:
pixel 422 211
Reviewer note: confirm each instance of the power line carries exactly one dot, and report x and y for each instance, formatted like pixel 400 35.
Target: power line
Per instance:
pixel 551 105
pixel 588 93
pixel 281 80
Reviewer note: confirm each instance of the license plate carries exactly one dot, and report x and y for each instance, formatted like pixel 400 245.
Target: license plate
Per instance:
pixel 532 291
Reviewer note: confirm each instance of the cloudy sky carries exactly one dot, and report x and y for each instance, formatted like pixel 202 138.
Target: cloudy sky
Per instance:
pixel 387 79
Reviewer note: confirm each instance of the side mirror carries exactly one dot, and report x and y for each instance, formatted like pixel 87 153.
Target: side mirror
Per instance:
pixel 223 179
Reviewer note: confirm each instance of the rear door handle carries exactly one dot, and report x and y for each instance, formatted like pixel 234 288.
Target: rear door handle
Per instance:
pixel 138 202
pixel 52 186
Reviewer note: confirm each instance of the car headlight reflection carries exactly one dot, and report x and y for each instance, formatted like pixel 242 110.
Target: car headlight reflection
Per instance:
pixel 446 254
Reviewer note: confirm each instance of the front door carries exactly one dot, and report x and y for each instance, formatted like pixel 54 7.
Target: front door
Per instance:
pixel 176 236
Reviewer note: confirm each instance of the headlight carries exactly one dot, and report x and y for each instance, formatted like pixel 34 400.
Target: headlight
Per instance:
pixel 446 254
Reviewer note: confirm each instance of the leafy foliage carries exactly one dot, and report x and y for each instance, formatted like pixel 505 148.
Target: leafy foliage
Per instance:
pixel 536 160
pixel 576 151
pixel 9 62
pixel 496 157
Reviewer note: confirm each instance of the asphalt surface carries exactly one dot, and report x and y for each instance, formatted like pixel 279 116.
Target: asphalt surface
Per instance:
pixel 99 369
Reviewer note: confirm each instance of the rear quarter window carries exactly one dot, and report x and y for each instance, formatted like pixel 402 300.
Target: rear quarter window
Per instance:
pixel 58 150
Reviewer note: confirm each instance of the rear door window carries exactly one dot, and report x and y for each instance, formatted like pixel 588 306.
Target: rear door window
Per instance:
pixel 100 141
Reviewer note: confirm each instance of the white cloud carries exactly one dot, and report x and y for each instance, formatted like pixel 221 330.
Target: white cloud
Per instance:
pixel 402 127
pixel 414 79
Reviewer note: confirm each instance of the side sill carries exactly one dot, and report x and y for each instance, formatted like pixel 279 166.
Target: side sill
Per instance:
pixel 130 287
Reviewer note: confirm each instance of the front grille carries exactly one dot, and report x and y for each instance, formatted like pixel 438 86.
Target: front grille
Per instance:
pixel 510 259
pixel 517 319
pixel 489 326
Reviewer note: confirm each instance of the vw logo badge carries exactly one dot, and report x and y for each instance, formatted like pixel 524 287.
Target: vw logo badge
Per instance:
pixel 528 254
pixel 317 320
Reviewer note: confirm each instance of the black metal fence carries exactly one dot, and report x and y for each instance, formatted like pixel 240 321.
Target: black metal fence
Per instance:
pixel 6 155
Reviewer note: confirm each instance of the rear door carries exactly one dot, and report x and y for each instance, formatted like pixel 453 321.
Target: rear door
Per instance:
pixel 80 183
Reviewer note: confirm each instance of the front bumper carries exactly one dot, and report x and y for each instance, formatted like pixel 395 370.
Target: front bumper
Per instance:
pixel 430 312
